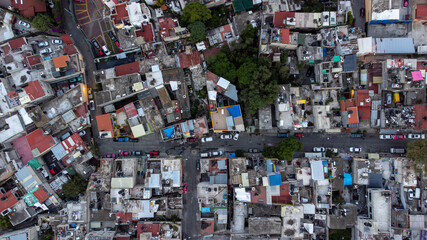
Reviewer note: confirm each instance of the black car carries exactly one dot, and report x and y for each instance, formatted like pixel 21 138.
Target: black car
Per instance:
pixel 113 38
pixel 309 71
pixel 253 150
pixel 133 139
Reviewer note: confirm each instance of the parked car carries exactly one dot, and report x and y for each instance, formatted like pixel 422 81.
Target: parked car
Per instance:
pixel 25 24
pixel 138 153
pixel 414 136
pixel 110 155
pixel 121 139
pixel 410 194
pixel 205 155
pixel 405 3
pixel 43 44
pixel 310 71
pixel 386 136
pixel 98 48
pixel 82 133
pixel 56 41
pixel 236 136
pixel 154 153
pixel 207 139
pixel 253 150
pixel 193 140
pixel 113 38
pixel 89 93
pixel 397 150
pixel 79 1
pixel 51 3
pixel 226 136
pixel 357 135
pixel 399 136
pixel 299 135
pixel 423 136
pixel 185 188
pixel 45 51
pixel 217 153
pixel 362 12
pixel 125 153
pixel 283 135
pixel 133 140
pixel 91 105
pixel 318 149
pixel 355 149
pixel 106 51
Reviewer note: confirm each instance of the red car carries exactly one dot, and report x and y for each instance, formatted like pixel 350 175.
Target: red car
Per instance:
pixel 192 140
pixel 405 3
pixel 299 135
pixel 401 136
pixel 79 1
pixel 125 153
pixel 118 46
pixel 154 153
pixel 185 188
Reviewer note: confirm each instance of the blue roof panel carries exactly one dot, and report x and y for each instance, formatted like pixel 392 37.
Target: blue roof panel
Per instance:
pixel 275 180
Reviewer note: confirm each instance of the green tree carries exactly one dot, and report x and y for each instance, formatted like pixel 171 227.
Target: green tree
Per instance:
pixel 198 31
pixel 245 73
pixel 221 66
pixel 74 187
pixel 159 3
pixel 350 18
pixel 42 22
pixel 195 11
pixel 48 235
pixel 270 152
pixel 288 147
pixel 4 222
pixel 417 150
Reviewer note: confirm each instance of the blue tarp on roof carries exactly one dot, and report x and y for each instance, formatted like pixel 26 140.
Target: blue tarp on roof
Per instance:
pixel 269 166
pixel 168 131
pixel 234 111
pixel 232 155
pixel 347 179
pixel 324 162
pixel 275 180
pixel 206 209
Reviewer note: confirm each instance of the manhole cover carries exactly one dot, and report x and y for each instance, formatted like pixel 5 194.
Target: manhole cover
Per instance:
pixel 194 152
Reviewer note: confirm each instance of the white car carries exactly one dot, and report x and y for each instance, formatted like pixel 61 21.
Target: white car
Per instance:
pixel 106 51
pixel 56 41
pixel 226 136
pixel 207 139
pixel 386 136
pixel 423 136
pixel 25 24
pixel 45 51
pixel 355 149
pixel 410 194
pixel 82 133
pixel 414 136
pixel 318 149
pixel 91 105
pixel 236 136
pixel 216 153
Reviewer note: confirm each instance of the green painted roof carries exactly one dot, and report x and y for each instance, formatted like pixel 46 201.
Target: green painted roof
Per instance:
pixel 34 163
pixel 242 5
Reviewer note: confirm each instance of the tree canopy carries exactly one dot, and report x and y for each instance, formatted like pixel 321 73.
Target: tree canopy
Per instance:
pixel 416 150
pixel 5 223
pixel 42 22
pixel 198 31
pixel 285 150
pixel 222 66
pixel 195 11
pixel 74 187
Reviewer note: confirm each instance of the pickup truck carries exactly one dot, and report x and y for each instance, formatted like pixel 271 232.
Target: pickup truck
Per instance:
pixel 283 135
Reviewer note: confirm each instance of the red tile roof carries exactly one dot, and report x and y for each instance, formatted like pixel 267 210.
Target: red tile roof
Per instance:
pixel 34 60
pixel 70 49
pixel 284 197
pixel 147 34
pixel 17 43
pixel 284 35
pixel 7 200
pixel 225 29
pixel 126 69
pixel 207 227
pixel 364 104
pixel 259 196
pixel 34 90
pixel 187 60
pixel 130 109
pixel 72 142
pixel 167 26
pixel 210 76
pixel 280 17
pixel 124 217
pixel 28 8
pixel 67 40
pixel 104 123
pixel 421 11
pixel 41 195
pixel 21 146
pixel 37 140
pixel 154 228
pixel 81 110
pixel 420 114
pixel 353 115
pixel 120 14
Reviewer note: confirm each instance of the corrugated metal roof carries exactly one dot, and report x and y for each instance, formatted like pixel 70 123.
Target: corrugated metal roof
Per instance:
pixel 393 45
